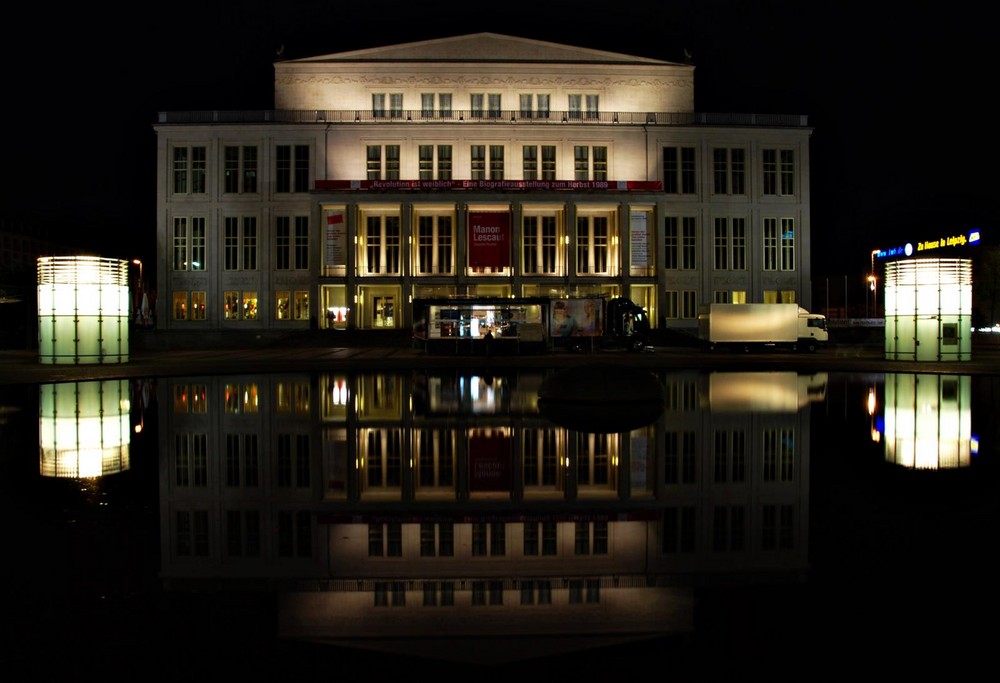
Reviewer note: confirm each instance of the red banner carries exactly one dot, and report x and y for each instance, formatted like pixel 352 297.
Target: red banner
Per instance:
pixel 489 463
pixel 489 239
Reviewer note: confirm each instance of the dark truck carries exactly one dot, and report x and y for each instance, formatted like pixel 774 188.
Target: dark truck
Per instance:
pixel 594 322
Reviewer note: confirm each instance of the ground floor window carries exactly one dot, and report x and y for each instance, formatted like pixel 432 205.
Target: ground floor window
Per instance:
pixel 239 305
pixel 379 307
pixel 333 299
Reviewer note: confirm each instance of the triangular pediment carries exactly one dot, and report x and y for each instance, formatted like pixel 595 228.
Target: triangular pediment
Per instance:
pixel 481 47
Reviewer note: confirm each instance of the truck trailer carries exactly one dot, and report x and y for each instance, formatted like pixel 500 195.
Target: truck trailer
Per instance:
pixel 762 326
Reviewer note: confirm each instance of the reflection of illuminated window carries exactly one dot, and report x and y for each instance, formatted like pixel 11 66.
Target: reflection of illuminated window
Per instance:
pixel 199 398
pixel 430 594
pixel 491 536
pixel 600 530
pixel 540 449
pixel 191 460
pixel 294 533
pixel 376 535
pixel 293 460
pixel 292 397
pixel 394 540
pixel 730 456
pixel 594 463
pixel 380 397
pixel 382 459
pixel 728 528
pixel 777 527
pixel 681 457
pixel 681 395
pixel 591 538
pixel 241 398
pixel 479 534
pixel 779 455
pixel 243 533
pixel 191 532
pixel 182 400
pixel 679 529
pixel 540 536
pixel 242 460
pixel 437 539
pixel 581 543
pixel 435 461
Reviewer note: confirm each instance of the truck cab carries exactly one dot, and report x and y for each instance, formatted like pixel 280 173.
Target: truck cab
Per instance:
pixel 627 324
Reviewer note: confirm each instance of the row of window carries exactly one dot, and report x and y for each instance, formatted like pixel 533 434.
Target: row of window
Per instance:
pixel 729 456
pixel 531 591
pixel 242 461
pixel 289 305
pixel 243 533
pixel 487 162
pixel 240 169
pixel 435 162
pixel 488 539
pixel 381 457
pixel 543 244
pixel 729 528
pixel 240 243
pixel 530 105
pixel 729 532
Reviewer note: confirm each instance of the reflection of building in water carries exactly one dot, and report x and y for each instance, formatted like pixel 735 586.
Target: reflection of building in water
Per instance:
pixel 928 420
pixel 382 496
pixel 83 428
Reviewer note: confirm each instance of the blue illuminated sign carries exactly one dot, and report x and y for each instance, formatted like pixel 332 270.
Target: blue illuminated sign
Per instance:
pixel 910 248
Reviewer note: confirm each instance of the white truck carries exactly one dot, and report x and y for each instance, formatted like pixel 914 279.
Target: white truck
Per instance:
pixel 752 326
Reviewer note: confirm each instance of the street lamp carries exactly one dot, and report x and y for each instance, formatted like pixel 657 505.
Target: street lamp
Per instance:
pixel 138 263
pixel 871 285
pixel 872 280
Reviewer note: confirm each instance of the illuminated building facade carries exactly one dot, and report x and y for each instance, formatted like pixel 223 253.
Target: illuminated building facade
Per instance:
pixel 483 165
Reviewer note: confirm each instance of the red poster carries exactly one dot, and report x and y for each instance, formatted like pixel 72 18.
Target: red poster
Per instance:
pixel 489 239
pixel 489 463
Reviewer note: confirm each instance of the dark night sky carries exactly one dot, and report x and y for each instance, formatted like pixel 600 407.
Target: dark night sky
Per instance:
pixel 898 99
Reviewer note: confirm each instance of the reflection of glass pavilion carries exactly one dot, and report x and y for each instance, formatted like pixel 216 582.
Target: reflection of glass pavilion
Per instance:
pixel 928 420
pixel 83 428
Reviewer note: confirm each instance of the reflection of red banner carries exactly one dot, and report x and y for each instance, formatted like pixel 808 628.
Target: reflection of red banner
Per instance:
pixel 489 463
pixel 489 239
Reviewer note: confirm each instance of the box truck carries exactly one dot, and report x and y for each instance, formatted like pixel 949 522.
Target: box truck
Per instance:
pixel 752 326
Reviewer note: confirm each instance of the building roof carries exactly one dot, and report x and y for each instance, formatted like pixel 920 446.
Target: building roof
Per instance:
pixel 481 47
